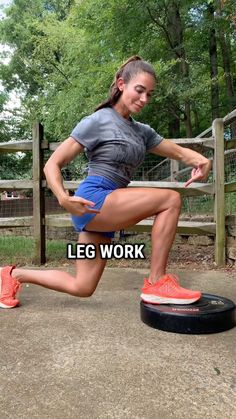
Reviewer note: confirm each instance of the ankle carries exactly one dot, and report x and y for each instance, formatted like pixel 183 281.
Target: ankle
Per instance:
pixel 15 274
pixel 153 279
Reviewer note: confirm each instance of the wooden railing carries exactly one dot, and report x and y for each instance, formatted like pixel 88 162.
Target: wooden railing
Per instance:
pixel 216 189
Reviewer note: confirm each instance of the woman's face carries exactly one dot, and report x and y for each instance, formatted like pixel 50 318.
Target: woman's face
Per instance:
pixel 136 93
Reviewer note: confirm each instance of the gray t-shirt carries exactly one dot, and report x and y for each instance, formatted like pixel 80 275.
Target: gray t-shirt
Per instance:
pixel 115 146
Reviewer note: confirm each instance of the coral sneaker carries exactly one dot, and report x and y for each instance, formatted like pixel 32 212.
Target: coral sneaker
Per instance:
pixel 168 291
pixel 8 288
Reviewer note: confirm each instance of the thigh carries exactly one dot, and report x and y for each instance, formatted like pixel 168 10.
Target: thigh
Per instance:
pixel 127 206
pixel 89 271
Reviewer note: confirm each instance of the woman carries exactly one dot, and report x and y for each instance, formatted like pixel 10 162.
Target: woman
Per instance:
pixel 116 144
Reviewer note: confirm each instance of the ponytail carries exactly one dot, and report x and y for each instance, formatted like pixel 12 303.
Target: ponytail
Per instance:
pixel 127 71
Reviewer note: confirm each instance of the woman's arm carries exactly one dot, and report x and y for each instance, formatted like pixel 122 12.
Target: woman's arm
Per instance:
pixel 63 155
pixel 201 164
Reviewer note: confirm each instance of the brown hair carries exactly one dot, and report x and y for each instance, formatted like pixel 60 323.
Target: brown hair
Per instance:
pixel 127 71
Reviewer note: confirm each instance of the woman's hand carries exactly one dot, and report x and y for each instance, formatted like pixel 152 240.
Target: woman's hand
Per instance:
pixel 77 206
pixel 200 172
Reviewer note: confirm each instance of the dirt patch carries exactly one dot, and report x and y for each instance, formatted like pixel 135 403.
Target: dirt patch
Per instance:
pixel 182 257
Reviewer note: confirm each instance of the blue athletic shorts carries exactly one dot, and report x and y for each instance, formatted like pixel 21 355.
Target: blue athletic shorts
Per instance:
pixel 95 189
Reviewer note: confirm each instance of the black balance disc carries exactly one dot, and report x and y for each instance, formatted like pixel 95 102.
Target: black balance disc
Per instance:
pixel 210 314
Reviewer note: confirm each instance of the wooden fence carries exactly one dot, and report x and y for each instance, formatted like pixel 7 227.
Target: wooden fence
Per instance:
pixel 217 188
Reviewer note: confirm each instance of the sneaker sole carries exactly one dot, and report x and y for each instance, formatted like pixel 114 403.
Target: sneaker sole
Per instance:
pixel 5 306
pixel 153 299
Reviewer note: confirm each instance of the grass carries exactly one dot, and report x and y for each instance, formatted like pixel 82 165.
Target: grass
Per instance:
pixel 20 250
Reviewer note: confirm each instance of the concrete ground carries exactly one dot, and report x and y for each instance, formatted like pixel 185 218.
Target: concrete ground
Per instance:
pixel 63 357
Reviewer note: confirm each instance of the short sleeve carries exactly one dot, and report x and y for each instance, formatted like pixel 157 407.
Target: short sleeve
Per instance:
pixel 86 132
pixel 152 138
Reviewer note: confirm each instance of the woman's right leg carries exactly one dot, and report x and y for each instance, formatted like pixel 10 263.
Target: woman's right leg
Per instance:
pixel 131 205
pixel 128 207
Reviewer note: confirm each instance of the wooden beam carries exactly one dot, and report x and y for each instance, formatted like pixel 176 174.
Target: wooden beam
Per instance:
pixel 15 184
pixel 195 189
pixel 59 220
pixel 205 133
pixel 10 222
pixel 184 227
pixel 188 227
pixel 15 146
pixel 38 196
pixel 231 117
pixel 230 144
pixel 174 169
pixel 53 146
pixel 219 208
pixel 227 120
pixel 204 142
pixel 198 141
pixel 230 187
pixel 64 220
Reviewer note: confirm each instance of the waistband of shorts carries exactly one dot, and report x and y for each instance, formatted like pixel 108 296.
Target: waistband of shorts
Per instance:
pixel 96 179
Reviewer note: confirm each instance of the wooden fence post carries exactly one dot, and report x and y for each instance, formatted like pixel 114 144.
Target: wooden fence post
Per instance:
pixel 174 168
pixel 219 176
pixel 38 196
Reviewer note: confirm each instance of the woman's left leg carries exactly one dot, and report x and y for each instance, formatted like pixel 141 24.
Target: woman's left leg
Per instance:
pixel 88 271
pixel 83 284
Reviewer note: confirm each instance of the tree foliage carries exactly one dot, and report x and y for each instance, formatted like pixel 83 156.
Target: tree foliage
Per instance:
pixel 65 54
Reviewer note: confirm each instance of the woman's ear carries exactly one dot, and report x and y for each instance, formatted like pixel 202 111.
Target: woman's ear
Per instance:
pixel 120 84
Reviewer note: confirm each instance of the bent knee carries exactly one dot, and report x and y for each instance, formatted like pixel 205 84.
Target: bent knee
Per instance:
pixel 83 290
pixel 86 293
pixel 171 200
pixel 175 199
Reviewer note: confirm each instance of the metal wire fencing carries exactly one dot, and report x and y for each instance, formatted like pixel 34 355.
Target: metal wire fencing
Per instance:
pixel 13 204
pixel 230 176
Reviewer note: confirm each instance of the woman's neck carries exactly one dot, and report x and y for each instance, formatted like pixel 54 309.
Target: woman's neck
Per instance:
pixel 122 110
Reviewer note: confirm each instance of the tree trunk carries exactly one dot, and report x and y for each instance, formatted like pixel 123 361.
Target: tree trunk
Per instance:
pixel 196 119
pixel 227 64
pixel 173 31
pixel 176 40
pixel 213 66
pixel 174 125
pixel 227 68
